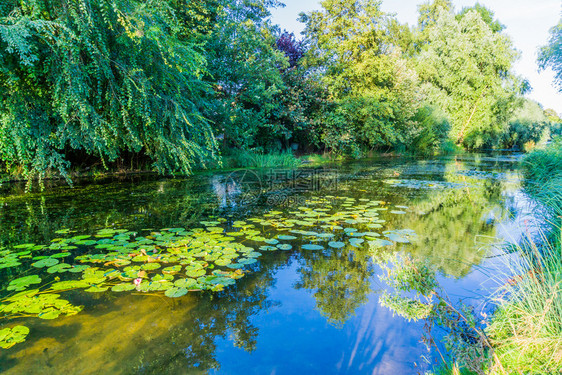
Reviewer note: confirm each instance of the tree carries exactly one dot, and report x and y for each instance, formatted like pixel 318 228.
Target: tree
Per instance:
pixel 486 14
pixel 429 12
pixel 550 56
pixel 102 78
pixel 372 89
pixel 527 125
pixel 244 69
pixel 465 67
pixel 302 99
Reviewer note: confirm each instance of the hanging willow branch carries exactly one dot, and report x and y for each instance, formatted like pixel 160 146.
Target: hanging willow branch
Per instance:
pixel 102 77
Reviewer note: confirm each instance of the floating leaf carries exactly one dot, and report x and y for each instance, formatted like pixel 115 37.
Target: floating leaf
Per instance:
pixel 123 287
pixel 268 248
pixel 284 246
pixel 171 270
pixel 312 247
pixel 356 241
pixel 247 261
pixel 336 244
pixel 69 284
pixel 96 289
pixel 46 262
pixel 12 336
pixel 23 282
pixel 223 262
pixel 194 272
pixel 24 246
pixel 175 292
pixel 49 314
pixel 60 268
pixel 286 237
pixel 185 283
pixel 150 266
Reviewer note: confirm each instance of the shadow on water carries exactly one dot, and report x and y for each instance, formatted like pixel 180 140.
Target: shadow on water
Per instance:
pixel 294 311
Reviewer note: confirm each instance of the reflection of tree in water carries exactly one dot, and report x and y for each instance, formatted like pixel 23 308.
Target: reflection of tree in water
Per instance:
pixel 226 315
pixel 149 335
pixel 130 204
pixel 451 230
pixel 339 279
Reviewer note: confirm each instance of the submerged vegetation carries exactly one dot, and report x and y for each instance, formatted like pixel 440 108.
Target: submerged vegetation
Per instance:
pixel 173 85
pixel 174 261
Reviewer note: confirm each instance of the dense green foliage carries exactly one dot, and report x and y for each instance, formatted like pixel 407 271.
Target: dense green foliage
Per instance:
pixel 372 89
pixel 465 70
pixel 101 78
pixel 177 83
pixel 527 126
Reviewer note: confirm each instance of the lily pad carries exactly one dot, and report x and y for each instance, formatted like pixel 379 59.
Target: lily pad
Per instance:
pixel 150 266
pixel 286 237
pixel 312 247
pixel 12 336
pixel 123 287
pixel 60 268
pixel 336 244
pixel 356 241
pixel 46 262
pixel 23 282
pixel 175 292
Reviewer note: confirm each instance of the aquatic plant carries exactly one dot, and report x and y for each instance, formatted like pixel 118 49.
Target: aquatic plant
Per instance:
pixel 176 261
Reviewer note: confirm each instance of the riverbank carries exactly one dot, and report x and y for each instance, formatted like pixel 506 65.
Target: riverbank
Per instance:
pixel 231 161
pixel 526 329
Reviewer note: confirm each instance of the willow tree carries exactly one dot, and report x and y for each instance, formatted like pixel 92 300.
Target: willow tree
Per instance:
pixel 100 77
pixel 465 68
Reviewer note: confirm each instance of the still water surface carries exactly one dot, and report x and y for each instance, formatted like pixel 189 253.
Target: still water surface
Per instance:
pixel 295 311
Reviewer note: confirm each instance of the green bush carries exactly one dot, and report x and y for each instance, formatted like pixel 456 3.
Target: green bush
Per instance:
pixel 527 125
pixel 98 77
pixel 433 137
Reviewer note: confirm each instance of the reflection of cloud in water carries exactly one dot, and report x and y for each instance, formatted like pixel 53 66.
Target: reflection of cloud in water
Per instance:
pixel 525 221
pixel 226 190
pixel 295 338
pixel 382 344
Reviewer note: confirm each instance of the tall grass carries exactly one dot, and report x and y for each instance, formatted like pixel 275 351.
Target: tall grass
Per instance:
pixel 542 171
pixel 526 329
pixel 247 159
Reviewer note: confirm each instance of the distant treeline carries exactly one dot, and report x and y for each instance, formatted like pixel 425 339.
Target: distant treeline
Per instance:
pixel 181 82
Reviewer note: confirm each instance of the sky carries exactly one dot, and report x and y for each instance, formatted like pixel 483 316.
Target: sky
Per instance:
pixel 527 23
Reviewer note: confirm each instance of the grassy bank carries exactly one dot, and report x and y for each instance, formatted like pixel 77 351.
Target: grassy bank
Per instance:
pixel 526 329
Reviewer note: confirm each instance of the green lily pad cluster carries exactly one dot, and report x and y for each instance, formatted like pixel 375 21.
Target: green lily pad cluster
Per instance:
pixel 43 305
pixel 12 336
pixel 175 261
pixel 330 222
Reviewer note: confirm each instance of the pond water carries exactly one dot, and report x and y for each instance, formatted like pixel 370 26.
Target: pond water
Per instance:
pixel 296 292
